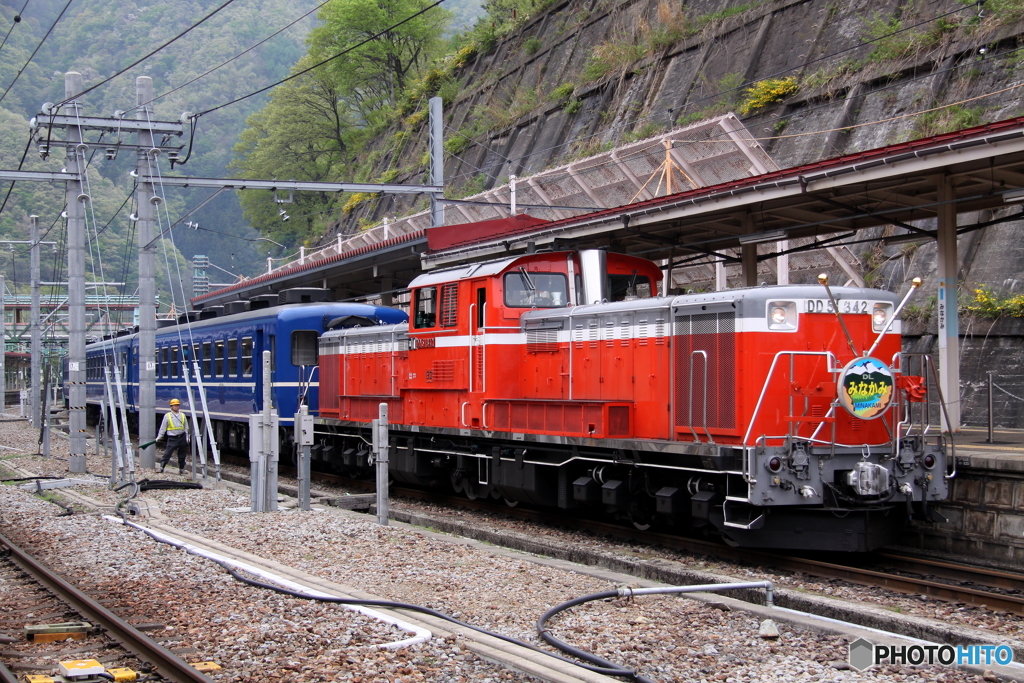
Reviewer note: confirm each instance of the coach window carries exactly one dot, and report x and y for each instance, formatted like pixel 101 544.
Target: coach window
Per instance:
pixel 535 290
pixel 232 357
pixel 218 359
pixel 426 307
pixel 246 356
pixel 173 368
pixel 207 358
pixel 304 351
pixel 194 359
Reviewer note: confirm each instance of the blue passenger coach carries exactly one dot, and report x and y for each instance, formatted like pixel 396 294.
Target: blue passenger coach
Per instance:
pixel 230 351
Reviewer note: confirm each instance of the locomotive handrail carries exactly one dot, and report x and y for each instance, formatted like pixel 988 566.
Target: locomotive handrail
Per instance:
pixel 928 366
pixel 462 413
pixel 833 368
pixel 696 438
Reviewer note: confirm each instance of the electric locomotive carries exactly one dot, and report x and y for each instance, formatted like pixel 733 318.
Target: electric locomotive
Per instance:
pixel 229 348
pixel 777 416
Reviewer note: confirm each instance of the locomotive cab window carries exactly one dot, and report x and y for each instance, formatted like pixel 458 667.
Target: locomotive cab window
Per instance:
pixel 304 347
pixel 629 287
pixel 535 290
pixel 426 307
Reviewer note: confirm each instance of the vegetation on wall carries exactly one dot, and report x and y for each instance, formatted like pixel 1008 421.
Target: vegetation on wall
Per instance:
pixel 988 304
pixel 385 132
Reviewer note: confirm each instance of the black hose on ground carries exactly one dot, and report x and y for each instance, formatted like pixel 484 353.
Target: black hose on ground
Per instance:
pixel 611 670
pixel 545 633
pixel 31 479
pixel 165 484
pixel 600 665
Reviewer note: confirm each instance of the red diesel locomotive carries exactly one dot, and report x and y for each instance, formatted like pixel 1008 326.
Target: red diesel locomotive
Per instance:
pixel 562 379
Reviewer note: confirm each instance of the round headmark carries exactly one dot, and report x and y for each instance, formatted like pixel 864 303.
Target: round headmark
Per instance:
pixel 866 387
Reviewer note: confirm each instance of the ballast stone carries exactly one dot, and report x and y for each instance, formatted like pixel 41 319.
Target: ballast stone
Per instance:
pixel 768 630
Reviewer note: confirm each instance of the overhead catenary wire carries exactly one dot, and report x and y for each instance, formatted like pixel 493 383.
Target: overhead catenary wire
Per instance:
pixel 322 62
pixel 228 61
pixel 633 122
pixel 13 24
pixel 144 57
pixel 20 164
pixel 716 95
pixel 32 56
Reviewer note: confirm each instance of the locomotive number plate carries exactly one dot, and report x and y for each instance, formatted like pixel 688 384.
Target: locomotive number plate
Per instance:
pixel 845 306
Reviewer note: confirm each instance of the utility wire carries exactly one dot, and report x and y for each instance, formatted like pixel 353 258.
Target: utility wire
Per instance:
pixel 29 60
pixel 321 63
pixel 738 88
pixel 240 54
pixel 17 20
pixel 143 58
pixel 20 163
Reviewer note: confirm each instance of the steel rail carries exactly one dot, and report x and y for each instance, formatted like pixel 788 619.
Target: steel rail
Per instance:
pixel 954 571
pixel 167 664
pixel 861 576
pixel 818 568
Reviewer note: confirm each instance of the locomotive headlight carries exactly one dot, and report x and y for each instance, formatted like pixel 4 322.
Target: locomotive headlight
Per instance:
pixel 880 316
pixel 781 315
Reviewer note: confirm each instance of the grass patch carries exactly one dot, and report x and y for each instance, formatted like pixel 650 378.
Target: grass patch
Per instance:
pixel 946 120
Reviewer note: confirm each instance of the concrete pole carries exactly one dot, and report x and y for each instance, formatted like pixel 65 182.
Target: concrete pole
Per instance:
pixel 947 305
pixel 35 331
pixel 147 280
pixel 748 254
pixel 436 159
pixel 270 457
pixel 721 277
pixel 782 263
pixel 75 198
pixel 380 447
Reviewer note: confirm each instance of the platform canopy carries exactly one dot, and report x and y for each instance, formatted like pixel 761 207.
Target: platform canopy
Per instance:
pixel 902 185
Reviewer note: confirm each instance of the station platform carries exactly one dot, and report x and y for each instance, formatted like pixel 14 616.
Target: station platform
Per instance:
pixel 1005 452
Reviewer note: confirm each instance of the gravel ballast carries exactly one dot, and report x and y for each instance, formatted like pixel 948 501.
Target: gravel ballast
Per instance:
pixel 260 636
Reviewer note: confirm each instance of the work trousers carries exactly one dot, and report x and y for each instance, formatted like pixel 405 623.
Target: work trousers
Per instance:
pixel 176 442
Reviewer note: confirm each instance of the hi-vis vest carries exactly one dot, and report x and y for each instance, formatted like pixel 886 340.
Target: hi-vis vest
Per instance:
pixel 171 427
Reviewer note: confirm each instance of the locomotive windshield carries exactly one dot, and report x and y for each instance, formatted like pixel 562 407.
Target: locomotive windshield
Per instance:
pixel 536 290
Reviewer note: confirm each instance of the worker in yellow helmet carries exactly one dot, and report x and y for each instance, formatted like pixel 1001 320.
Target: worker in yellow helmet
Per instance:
pixel 175 426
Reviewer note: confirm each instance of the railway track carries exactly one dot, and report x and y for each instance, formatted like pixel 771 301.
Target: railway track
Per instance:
pixel 41 594
pixel 995 590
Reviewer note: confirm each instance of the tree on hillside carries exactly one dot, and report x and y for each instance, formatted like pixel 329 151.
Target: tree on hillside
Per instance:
pixel 299 135
pixel 374 74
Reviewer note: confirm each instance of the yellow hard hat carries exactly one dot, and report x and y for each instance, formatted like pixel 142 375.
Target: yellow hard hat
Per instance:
pixel 175 402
